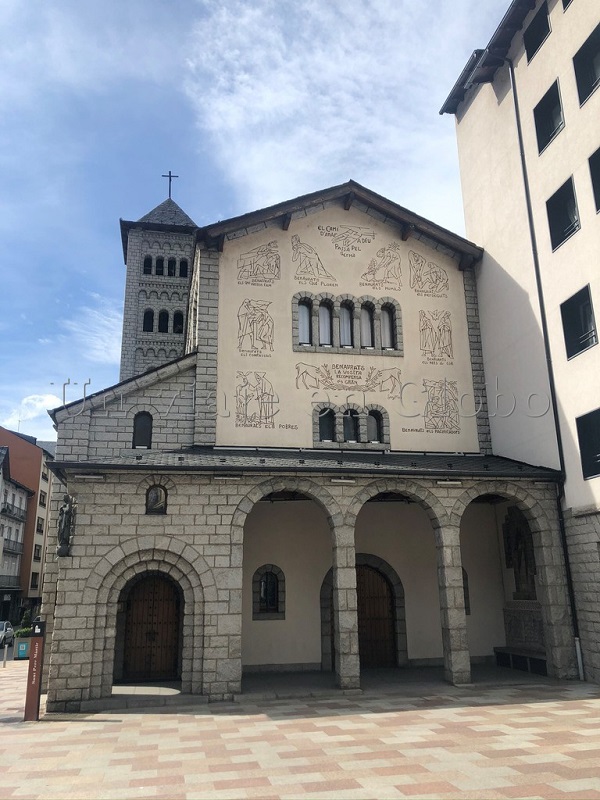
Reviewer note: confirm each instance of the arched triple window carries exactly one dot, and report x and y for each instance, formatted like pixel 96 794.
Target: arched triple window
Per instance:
pixel 163 322
pixel 156 500
pixel 178 322
pixel 148 265
pixel 268 593
pixel 325 324
pixel 367 326
pixel 388 327
pixel 374 427
pixel 346 324
pixel 148 323
pixel 171 265
pixel 142 430
pixel 160 266
pixel 327 425
pixel 350 425
pixel 304 322
pixel 183 268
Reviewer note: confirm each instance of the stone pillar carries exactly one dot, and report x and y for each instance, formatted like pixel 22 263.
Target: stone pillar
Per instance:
pixel 345 610
pixel 457 662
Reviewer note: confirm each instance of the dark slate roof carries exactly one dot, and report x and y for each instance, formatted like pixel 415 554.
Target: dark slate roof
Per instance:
pixel 168 213
pixel 482 64
pixel 48 447
pixel 228 460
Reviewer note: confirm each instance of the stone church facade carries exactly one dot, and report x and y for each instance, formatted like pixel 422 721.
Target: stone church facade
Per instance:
pixel 295 472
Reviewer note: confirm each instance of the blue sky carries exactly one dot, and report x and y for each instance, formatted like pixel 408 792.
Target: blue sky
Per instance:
pixel 250 102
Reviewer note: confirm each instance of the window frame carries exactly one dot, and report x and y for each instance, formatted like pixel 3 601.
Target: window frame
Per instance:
pixel 588 435
pixel 159 509
pixel 137 435
pixel 581 65
pixel 577 340
pixel 556 212
pixel 258 611
pixel 540 120
pixel 148 321
pixel 535 33
pixel 594 165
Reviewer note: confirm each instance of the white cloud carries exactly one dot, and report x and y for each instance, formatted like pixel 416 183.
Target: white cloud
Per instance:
pixel 97 332
pixel 33 408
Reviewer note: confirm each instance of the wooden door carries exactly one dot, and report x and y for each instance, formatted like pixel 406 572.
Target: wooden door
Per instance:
pixel 376 628
pixel 152 631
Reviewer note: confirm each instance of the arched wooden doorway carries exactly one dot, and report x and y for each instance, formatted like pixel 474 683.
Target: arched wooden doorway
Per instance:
pixel 376 624
pixel 152 625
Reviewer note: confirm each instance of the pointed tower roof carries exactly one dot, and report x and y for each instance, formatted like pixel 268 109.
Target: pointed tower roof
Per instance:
pixel 168 213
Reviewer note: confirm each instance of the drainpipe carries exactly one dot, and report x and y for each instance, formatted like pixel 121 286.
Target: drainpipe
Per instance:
pixel 559 442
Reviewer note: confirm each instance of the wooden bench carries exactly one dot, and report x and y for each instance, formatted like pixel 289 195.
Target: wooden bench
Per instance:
pixel 517 658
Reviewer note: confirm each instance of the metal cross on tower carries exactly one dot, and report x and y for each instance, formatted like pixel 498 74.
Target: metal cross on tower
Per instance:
pixel 170 176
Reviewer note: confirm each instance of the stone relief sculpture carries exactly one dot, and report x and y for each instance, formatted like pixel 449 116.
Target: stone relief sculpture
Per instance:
pixel 425 276
pixel 66 525
pixel 385 269
pixel 349 377
pixel 441 409
pixel 255 401
pixel 435 334
pixel 255 325
pixel 260 263
pixel 307 260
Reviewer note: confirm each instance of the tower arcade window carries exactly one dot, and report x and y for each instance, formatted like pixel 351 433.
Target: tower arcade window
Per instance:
pixel 160 266
pixel 163 322
pixel 579 325
pixel 586 63
pixel 595 173
pixel 148 323
pixel 183 268
pixel 588 433
pixel 171 265
pixel 367 326
pixel 548 117
pixel 537 31
pixel 325 324
pixel 142 430
pixel 147 265
pixel 563 215
pixel 178 322
pixel 304 322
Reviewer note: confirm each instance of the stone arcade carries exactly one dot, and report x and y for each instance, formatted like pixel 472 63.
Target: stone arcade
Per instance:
pixel 295 471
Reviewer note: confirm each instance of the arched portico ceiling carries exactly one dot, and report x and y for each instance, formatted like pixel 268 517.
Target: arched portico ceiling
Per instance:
pixel 407 491
pixel 493 492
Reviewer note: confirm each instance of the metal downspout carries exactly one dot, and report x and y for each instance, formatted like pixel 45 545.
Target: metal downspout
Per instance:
pixel 559 443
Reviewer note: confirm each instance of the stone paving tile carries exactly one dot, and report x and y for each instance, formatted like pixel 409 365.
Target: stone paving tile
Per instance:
pixel 531 741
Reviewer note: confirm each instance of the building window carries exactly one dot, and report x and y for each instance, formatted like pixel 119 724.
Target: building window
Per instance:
pixel 304 322
pixel 595 173
pixel 183 268
pixel 367 327
pixel 374 427
pixel 548 117
pixel 171 265
pixel 327 425
pixel 350 418
pixel 148 324
pixel 35 577
pixel 156 500
pixel 268 593
pixel 466 595
pixel 388 327
pixel 579 325
pixel 563 216
pixel 44 475
pixel 163 322
pixel 178 322
pixel 566 4
pixel 43 499
pixel 160 266
pixel 325 324
pixel 346 325
pixel 142 430
pixel 588 433
pixel 148 265
pixel 587 65
pixel 39 525
pixel 537 31
pixel 37 552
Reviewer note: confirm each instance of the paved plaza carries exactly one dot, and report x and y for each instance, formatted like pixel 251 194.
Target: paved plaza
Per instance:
pixel 527 740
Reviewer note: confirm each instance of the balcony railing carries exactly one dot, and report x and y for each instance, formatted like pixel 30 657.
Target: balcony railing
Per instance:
pixel 9 582
pixel 13 511
pixel 12 546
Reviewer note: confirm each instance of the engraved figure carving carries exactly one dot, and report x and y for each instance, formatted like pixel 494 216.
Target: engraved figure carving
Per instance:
pixel 441 409
pixel 435 334
pixel 260 262
pixel 385 268
pixel 255 325
pixel 308 262
pixel 66 525
pixel 255 401
pixel 425 276
pixel 353 234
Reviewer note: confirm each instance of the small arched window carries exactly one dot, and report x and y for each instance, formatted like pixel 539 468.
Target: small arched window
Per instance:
pixel 327 425
pixel 346 325
pixel 142 430
pixel 171 264
pixel 148 325
pixel 466 596
pixel 148 265
pixel 374 427
pixel 268 593
pixel 388 327
pixel 178 322
pixel 325 324
pixel 350 425
pixel 156 500
pixel 160 266
pixel 183 268
pixel 163 322
pixel 304 322
pixel 367 328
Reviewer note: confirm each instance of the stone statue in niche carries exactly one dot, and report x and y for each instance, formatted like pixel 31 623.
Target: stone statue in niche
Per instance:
pixel 519 554
pixel 66 525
